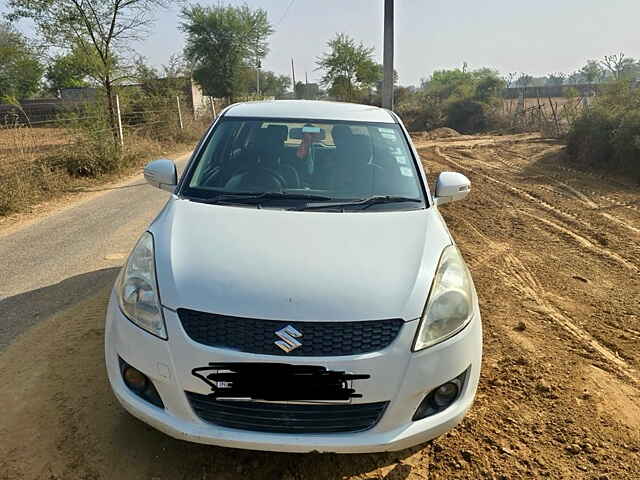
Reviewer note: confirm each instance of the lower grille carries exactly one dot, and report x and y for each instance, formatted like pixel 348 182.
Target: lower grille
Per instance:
pixel 319 339
pixel 287 418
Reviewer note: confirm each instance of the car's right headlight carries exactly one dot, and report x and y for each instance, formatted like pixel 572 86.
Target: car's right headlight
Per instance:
pixel 137 289
pixel 450 305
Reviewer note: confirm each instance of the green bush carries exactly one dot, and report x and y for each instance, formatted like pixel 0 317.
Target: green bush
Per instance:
pixel 422 113
pixel 607 134
pixel 467 116
pixel 626 142
pixel 460 99
pixel 95 153
pixel 589 139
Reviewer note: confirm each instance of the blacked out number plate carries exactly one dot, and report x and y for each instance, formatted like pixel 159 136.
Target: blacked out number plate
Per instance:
pixel 277 382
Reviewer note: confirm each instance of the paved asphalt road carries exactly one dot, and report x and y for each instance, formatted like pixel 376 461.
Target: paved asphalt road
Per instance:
pixel 60 259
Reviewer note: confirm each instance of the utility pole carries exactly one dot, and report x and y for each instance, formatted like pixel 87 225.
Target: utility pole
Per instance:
pixel 258 65
pixel 387 84
pixel 293 76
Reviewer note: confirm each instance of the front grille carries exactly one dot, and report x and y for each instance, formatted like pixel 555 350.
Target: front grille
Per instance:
pixel 287 418
pixel 318 339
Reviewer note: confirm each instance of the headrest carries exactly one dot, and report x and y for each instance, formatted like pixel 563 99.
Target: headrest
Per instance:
pixel 269 138
pixel 360 146
pixel 282 131
pixel 340 133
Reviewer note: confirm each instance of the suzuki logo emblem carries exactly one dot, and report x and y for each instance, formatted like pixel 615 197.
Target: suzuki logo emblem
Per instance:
pixel 288 337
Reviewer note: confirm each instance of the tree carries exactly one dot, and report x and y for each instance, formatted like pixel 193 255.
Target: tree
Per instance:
pixel 489 87
pixel 380 82
pixel 453 85
pixel 101 31
pixel 67 71
pixel 20 66
pixel 592 72
pixel 271 84
pixel 509 78
pixel 575 78
pixel 170 81
pixel 348 68
pixel 524 80
pixel 221 42
pixel 620 66
pixel 555 79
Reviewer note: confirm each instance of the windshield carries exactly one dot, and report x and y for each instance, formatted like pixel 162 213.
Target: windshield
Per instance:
pixel 306 160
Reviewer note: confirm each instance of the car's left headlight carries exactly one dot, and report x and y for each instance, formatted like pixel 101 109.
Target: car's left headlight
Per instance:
pixel 450 305
pixel 137 289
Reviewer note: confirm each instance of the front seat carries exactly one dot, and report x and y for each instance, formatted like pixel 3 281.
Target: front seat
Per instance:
pixel 260 169
pixel 278 134
pixel 355 174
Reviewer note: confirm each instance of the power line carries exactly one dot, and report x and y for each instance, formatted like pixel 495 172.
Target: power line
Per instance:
pixel 285 13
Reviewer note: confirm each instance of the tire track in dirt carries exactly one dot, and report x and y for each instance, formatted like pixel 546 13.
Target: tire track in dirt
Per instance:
pixel 493 249
pixel 548 173
pixel 518 276
pixel 573 192
pixel 628 264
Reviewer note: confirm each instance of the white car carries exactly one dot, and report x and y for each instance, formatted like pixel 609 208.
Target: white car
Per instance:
pixel 299 291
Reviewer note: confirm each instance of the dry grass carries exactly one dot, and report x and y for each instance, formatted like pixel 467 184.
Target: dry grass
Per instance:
pixel 27 144
pixel 40 164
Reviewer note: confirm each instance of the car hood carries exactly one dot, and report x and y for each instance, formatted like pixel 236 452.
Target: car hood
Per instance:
pixel 285 265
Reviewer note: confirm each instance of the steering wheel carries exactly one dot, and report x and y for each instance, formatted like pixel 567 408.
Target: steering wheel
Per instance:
pixel 263 178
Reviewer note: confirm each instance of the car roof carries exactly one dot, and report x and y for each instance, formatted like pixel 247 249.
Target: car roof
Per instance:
pixel 311 109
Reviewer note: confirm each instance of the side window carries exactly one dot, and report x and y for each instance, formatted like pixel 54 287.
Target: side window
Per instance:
pixel 216 152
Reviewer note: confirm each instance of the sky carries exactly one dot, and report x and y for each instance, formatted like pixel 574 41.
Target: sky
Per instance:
pixel 537 37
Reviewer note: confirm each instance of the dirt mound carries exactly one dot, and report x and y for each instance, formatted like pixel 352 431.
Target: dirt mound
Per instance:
pixel 442 132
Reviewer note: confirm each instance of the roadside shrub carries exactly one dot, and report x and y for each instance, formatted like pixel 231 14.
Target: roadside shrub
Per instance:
pixel 423 113
pixel 94 153
pixel 11 192
pixel 462 99
pixel 607 135
pixel 589 139
pixel 626 142
pixel 28 184
pixel 467 116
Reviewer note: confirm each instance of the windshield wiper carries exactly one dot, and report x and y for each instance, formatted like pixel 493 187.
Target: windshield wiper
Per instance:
pixel 361 204
pixel 256 197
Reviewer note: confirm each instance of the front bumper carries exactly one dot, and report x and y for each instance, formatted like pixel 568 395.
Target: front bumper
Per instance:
pixel 398 376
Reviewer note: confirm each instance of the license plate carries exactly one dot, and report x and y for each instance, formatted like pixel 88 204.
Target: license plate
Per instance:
pixel 278 382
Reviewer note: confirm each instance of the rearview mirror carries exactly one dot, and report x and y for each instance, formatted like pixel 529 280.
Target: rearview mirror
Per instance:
pixel 318 134
pixel 162 174
pixel 451 186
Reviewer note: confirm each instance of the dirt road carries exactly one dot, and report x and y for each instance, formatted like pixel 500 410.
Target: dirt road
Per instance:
pixel 555 255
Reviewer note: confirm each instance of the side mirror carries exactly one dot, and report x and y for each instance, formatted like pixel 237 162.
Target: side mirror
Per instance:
pixel 162 174
pixel 451 186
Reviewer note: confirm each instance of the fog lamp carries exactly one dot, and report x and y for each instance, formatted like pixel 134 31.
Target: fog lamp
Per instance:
pixel 135 379
pixel 441 397
pixel 445 394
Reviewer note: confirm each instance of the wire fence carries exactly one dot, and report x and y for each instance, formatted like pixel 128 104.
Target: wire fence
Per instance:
pixel 165 121
pixel 552 116
pixel 39 156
